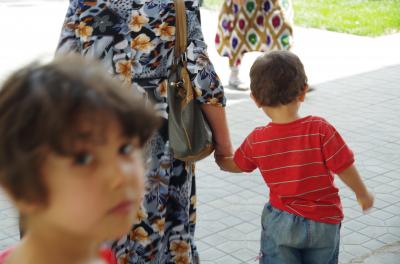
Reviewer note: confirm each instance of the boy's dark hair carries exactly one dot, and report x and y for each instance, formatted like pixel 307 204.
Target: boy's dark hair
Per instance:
pixel 41 106
pixel 277 78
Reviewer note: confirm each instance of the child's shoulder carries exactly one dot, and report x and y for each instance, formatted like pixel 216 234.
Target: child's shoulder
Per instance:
pixel 317 121
pixel 260 131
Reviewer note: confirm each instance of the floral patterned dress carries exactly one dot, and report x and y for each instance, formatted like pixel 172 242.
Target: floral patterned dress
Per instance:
pixel 135 41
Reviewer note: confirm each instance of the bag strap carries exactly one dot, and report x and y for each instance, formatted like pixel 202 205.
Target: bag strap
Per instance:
pixel 180 29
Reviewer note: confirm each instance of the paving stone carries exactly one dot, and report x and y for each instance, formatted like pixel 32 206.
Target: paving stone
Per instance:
pixel 227 259
pixel 356 250
pixel 246 255
pixel 254 235
pixel 345 231
pixel 387 258
pixel 354 225
pixel 370 220
pixel 381 214
pixel 202 246
pixel 388 238
pixel 231 246
pixel 212 254
pixel 392 209
pixel 394 221
pixel 374 231
pixel 246 227
pixel 214 239
pixel 394 231
pixel 352 213
pixel 355 239
pixel 373 244
pixel 345 257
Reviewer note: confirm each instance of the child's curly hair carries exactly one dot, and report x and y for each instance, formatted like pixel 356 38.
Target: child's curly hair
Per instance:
pixel 277 78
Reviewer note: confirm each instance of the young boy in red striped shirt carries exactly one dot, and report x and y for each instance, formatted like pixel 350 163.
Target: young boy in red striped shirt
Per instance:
pixel 297 157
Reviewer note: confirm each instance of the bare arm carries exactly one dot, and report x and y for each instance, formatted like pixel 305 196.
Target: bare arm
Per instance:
pixel 227 164
pixel 216 117
pixel 351 178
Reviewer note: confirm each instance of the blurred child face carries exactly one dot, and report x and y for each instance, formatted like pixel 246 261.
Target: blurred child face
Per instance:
pixel 96 192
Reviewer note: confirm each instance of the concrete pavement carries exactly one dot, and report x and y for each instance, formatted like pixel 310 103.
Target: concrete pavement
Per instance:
pixel 357 81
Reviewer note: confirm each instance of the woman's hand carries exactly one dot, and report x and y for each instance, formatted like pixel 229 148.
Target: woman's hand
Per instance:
pixel 226 163
pixel 216 118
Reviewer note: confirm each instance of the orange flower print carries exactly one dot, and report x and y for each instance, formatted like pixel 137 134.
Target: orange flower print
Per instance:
pixel 202 61
pixel 197 91
pixel 124 67
pixel 141 214
pixel 193 200
pixel 181 259
pixel 137 21
pixel 142 43
pixel 159 225
pixel 139 234
pixel 193 218
pixel 123 260
pixel 179 247
pixel 214 101
pixel 83 31
pixel 165 32
pixel 162 89
pixel 156 180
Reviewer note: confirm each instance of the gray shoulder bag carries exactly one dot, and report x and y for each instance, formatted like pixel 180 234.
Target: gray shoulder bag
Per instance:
pixel 190 136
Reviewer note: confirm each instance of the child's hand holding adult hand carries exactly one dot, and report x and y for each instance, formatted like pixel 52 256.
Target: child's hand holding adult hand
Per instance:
pixel 226 163
pixel 366 201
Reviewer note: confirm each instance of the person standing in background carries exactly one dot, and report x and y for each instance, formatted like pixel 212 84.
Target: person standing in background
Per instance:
pixel 252 25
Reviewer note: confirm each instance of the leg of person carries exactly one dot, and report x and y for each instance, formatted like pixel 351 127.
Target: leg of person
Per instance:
pixel 181 216
pixel 234 79
pixel 324 240
pixel 282 237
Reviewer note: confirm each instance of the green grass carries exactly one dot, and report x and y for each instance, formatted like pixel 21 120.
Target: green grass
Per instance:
pixel 359 17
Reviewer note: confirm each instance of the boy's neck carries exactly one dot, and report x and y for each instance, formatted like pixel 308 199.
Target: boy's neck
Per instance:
pixel 51 247
pixel 283 114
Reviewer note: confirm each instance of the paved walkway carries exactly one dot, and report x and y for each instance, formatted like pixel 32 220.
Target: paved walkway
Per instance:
pixel 357 81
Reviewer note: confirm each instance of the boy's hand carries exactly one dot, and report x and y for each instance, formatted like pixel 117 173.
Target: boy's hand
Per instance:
pixel 366 201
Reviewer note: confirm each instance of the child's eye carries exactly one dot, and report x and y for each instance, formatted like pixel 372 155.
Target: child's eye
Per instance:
pixel 83 159
pixel 126 149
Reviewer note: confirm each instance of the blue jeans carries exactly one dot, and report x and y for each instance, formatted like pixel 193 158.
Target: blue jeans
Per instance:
pixel 290 239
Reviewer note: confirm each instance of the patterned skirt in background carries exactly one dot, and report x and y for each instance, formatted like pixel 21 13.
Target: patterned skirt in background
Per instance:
pixel 257 25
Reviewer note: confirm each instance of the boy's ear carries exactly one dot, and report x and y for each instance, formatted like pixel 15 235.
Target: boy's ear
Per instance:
pixel 302 95
pixel 26 208
pixel 255 100
pixel 22 205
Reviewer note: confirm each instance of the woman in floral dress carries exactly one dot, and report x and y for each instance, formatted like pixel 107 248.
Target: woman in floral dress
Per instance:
pixel 252 25
pixel 135 40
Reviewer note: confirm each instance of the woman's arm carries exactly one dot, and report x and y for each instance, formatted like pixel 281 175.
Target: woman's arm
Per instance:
pixel 205 81
pixel 216 117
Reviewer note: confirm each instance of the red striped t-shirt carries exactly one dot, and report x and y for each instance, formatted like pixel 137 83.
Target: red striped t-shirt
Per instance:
pixel 297 161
